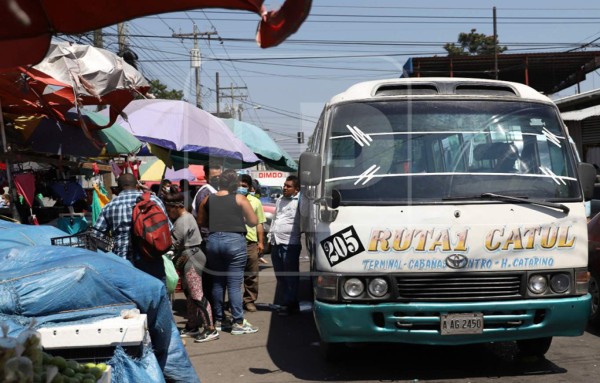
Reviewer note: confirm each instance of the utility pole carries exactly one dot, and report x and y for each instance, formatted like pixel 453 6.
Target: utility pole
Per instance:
pixel 121 32
pixel 218 97
pixel 98 43
pixel 196 58
pixel 495 46
pixel 233 96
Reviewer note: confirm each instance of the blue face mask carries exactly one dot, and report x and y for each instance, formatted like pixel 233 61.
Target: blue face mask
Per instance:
pixel 252 193
pixel 242 191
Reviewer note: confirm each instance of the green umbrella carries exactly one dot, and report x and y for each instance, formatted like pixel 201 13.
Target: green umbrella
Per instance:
pixel 262 145
pixel 118 139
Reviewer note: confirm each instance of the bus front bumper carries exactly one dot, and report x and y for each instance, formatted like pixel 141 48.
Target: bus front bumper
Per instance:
pixel 420 322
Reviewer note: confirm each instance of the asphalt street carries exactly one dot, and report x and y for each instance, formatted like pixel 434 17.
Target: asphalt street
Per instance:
pixel 286 349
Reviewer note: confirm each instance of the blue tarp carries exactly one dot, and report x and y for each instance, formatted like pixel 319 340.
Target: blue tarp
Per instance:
pixel 68 285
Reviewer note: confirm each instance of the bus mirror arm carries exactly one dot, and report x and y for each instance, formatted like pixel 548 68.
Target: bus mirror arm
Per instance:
pixel 329 212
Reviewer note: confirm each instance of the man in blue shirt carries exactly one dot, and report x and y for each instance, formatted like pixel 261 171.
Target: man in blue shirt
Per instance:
pixel 116 220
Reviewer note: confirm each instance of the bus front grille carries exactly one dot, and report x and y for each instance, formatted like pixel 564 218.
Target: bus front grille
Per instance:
pixel 459 287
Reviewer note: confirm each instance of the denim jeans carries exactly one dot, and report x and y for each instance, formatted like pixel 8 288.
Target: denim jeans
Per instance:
pixel 227 259
pixel 286 263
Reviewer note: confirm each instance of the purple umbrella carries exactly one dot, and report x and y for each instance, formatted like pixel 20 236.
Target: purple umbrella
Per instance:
pixel 187 131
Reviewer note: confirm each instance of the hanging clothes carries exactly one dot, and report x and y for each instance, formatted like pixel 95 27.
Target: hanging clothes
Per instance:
pixel 25 184
pixel 99 200
pixel 102 194
pixel 135 168
pixel 115 169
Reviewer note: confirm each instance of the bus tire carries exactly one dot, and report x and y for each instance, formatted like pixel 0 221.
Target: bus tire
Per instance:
pixel 594 289
pixel 534 347
pixel 333 352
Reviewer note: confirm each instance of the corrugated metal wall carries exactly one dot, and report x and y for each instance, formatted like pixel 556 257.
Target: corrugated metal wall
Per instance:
pixel 590 132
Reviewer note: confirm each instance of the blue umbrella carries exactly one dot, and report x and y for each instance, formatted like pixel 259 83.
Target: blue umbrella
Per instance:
pixel 262 145
pixel 47 135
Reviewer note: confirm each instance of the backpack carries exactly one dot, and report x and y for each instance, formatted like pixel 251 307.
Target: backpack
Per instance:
pixel 151 235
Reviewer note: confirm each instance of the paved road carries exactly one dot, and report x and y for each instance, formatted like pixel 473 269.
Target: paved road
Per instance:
pixel 286 349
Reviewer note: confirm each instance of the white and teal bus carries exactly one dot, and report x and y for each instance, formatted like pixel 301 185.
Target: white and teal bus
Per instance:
pixel 445 211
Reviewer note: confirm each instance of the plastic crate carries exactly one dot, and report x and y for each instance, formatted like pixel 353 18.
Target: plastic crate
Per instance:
pixel 85 240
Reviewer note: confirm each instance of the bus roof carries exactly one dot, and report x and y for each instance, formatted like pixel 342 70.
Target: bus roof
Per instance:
pixel 441 86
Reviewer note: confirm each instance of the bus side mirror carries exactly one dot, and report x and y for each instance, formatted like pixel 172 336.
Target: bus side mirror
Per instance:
pixel 310 169
pixel 587 177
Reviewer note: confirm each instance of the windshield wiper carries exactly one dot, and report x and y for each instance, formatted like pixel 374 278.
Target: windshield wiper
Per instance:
pixel 508 198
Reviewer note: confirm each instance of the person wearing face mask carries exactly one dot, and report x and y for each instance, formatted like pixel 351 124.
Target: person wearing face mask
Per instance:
pixel 190 261
pixel 227 214
pixel 254 244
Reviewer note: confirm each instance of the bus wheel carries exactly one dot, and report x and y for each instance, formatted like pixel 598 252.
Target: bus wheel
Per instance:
pixel 534 347
pixel 594 288
pixel 333 352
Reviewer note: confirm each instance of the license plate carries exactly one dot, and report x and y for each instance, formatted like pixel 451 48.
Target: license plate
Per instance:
pixel 458 324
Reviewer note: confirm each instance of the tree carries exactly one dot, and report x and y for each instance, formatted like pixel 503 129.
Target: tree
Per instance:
pixel 160 91
pixel 474 43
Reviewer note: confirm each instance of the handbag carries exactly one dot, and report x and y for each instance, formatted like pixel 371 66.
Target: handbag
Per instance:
pixel 171 274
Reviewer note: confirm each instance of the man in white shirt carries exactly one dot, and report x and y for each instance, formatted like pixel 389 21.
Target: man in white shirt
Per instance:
pixel 285 240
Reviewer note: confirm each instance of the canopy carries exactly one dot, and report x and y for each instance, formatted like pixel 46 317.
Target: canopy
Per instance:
pixel 262 145
pixel 192 135
pixel 27 26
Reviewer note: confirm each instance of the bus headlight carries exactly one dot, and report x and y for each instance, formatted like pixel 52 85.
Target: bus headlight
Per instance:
pixel 378 287
pixel 560 283
pixel 354 287
pixel 537 284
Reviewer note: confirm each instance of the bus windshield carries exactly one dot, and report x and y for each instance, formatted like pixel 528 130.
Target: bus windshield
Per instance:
pixel 428 151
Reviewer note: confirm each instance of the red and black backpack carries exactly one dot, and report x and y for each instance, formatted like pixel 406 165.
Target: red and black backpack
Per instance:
pixel 150 234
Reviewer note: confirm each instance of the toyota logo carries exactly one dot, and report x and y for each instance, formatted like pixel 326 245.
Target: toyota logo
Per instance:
pixel 456 261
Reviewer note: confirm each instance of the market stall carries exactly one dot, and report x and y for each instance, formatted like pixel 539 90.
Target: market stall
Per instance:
pixel 64 286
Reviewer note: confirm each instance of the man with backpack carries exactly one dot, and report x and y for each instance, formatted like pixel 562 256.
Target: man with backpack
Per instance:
pixel 116 219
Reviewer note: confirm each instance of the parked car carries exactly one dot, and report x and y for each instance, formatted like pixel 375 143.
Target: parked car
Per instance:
pixel 594 267
pixel 269 209
pixel 268 194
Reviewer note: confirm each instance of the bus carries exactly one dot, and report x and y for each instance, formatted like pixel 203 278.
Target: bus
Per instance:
pixel 445 211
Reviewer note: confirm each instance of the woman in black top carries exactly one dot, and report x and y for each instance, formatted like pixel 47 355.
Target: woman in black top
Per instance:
pixel 226 215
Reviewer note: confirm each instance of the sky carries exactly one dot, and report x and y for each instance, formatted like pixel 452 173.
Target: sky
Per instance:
pixel 342 42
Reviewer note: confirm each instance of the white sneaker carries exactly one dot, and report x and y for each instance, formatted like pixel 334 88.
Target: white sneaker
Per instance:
pixel 244 328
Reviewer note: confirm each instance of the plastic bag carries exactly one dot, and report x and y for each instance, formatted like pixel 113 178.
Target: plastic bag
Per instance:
pixel 171 273
pixel 129 370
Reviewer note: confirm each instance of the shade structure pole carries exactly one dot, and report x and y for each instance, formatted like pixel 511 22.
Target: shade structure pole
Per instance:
pixel 11 186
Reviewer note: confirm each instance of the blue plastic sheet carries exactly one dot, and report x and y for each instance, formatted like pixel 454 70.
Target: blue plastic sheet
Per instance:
pixel 68 285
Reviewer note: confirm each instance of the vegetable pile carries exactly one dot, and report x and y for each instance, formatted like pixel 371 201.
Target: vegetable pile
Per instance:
pixel 22 360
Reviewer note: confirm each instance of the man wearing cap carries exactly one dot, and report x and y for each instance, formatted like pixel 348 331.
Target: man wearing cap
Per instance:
pixel 116 220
